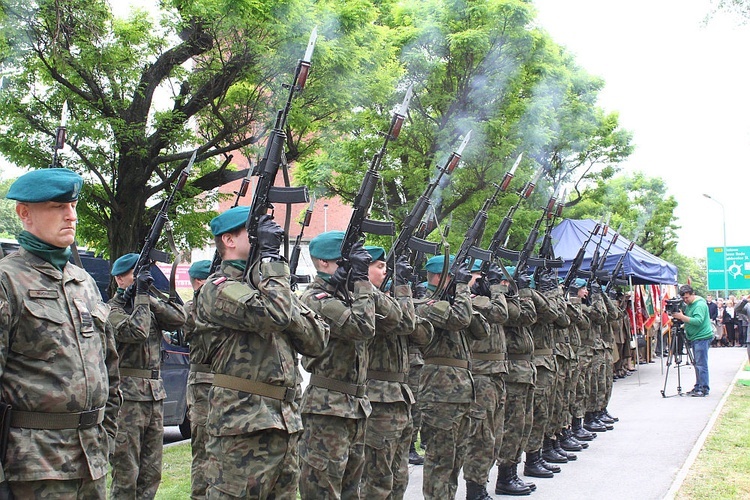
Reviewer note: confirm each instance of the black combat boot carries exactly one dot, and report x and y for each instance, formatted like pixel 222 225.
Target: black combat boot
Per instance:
pixel 567 443
pixel 549 454
pixel 508 482
pixel 580 433
pixel 476 491
pixel 533 466
pixel 414 457
pixel 550 467
pixel 591 424
pixel 604 418
pixel 560 451
pixel 606 412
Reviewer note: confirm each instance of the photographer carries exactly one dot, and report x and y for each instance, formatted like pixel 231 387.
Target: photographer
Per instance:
pixel 699 332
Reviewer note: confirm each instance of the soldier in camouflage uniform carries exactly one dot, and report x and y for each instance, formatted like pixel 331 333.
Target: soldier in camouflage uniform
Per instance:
pixel 519 391
pixel 488 366
pixel 446 385
pixel 595 384
pixel 199 383
pixel 335 406
pixel 389 428
pixel 60 377
pixel 543 358
pixel 584 352
pixel 254 329
pixel 609 333
pixel 138 324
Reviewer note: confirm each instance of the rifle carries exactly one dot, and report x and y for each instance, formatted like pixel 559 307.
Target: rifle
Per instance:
pixel 469 247
pixel 576 265
pixel 600 265
pixel 546 251
pixel 406 239
pixel 591 274
pixel 265 193
pixel 149 253
pixel 359 223
pixel 60 133
pixel 528 246
pixel 618 267
pixel 297 249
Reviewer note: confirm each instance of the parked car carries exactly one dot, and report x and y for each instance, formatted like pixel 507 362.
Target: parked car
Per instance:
pixel 175 362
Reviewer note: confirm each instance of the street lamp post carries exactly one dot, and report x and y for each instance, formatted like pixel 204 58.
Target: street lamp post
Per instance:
pixel 724 248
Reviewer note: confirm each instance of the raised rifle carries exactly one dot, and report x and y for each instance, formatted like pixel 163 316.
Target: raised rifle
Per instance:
pixel 297 249
pixel 546 251
pixel 591 273
pixel 470 248
pixel 576 265
pixel 407 239
pixel 528 246
pixel 359 223
pixel 266 194
pixel 599 270
pixel 618 267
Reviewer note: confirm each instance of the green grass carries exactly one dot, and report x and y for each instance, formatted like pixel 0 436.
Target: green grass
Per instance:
pixel 722 469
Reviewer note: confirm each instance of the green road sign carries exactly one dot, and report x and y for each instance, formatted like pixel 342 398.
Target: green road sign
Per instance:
pixel 737 268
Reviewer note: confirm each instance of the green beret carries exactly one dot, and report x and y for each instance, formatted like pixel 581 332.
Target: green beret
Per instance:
pixel 327 246
pixel 200 270
pixel 376 252
pixel 476 266
pixel 578 284
pixel 124 264
pixel 435 264
pixel 229 221
pixel 50 184
pixel 511 270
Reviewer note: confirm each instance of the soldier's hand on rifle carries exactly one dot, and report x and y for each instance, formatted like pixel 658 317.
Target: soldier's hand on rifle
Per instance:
pixel 463 275
pixel 403 271
pixel 480 287
pixel 143 281
pixel 523 280
pixel 360 260
pixel 420 291
pixel 270 236
pixel 596 288
pixel 494 275
pixel 547 281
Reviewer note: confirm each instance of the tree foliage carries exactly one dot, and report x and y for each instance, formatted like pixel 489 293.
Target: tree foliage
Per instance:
pixel 10 225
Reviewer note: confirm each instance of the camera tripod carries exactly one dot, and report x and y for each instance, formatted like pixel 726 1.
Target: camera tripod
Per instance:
pixel 676 343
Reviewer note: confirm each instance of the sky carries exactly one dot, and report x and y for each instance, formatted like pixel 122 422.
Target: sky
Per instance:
pixel 681 87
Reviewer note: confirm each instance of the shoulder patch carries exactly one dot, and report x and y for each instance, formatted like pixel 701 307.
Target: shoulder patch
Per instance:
pixel 322 295
pixel 219 280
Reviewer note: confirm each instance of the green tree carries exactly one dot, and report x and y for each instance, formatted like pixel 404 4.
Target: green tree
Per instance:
pixel 144 94
pixel 10 225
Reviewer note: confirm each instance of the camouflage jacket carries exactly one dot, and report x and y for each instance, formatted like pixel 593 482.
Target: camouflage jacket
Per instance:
pixel 198 348
pixel 495 310
pixel 613 327
pixel 560 327
pixel 598 316
pixel 388 351
pixel 344 359
pixel 577 320
pixel 453 324
pixel 520 342
pixel 57 355
pixel 254 334
pixel 588 337
pixel 139 336
pixel 542 331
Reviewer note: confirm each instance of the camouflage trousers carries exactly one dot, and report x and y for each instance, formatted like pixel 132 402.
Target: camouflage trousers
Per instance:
pixel 543 391
pixel 136 463
pixel 416 413
pixel 486 431
pixel 262 464
pixel 595 387
pixel 561 396
pixel 387 439
pixel 445 428
pixel 68 489
pixel 609 367
pixel 197 399
pixel 332 456
pixel 519 402
pixel 578 402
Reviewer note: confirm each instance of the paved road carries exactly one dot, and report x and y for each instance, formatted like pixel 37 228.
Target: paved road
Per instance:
pixel 655 436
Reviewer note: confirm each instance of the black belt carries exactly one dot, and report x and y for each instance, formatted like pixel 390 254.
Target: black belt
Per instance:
pixel 135 372
pixel 519 357
pixel 387 376
pixel 456 363
pixel 355 390
pixel 278 392
pixel 200 368
pixel 55 421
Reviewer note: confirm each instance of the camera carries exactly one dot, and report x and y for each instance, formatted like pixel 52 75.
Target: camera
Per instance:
pixel 674 305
